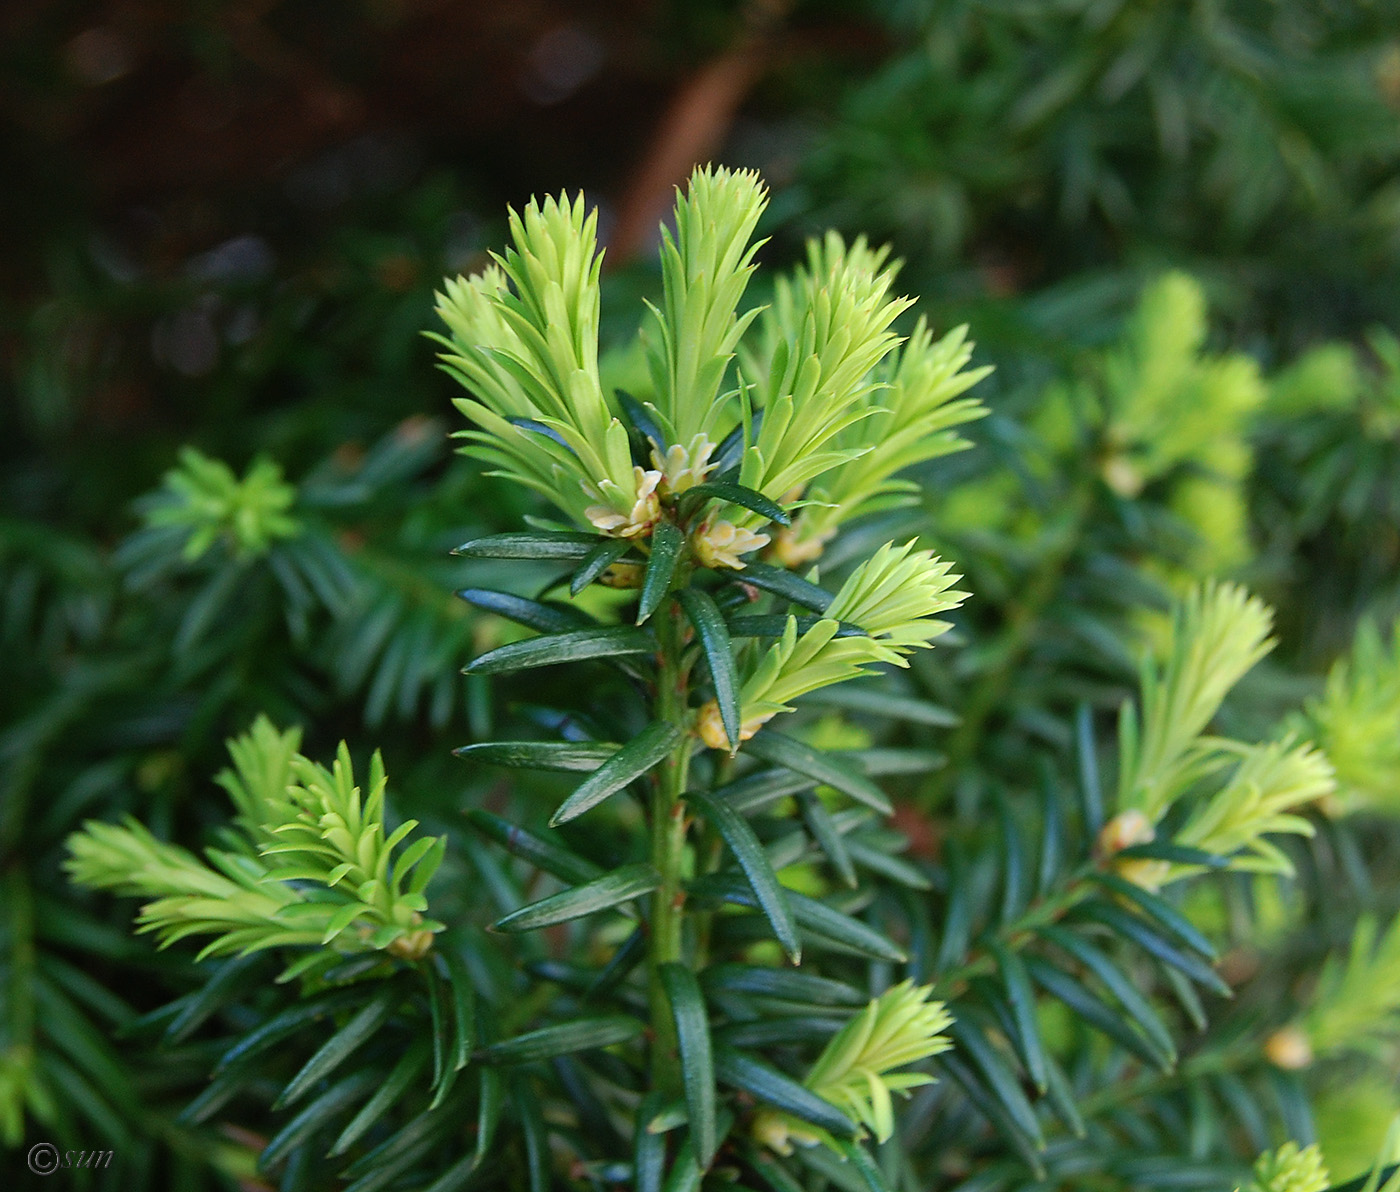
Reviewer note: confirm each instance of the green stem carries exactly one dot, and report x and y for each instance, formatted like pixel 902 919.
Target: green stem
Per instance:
pixel 709 854
pixel 1233 1057
pixel 668 837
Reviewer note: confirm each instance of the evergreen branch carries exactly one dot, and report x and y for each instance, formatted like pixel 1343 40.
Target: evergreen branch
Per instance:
pixel 827 330
pixel 1290 1169
pixel 204 498
pixel 1354 720
pixel 1218 633
pixel 705 269
pixel 912 423
pixel 312 868
pixel 1357 1003
pixel 894 597
pixel 856 1070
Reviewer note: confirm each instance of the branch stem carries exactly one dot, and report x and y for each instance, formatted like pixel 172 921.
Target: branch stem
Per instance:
pixel 1016 933
pixel 668 825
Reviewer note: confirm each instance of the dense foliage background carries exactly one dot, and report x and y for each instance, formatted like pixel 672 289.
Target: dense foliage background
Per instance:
pixel 226 225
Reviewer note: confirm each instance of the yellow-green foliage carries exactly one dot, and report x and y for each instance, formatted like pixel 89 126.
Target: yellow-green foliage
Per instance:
pixel 1218 633
pixel 1290 1169
pixel 856 1071
pixel 1357 1003
pixel 895 597
pixel 524 340
pixel 1357 721
pixel 826 331
pixel 809 397
pixel 1240 792
pixel 1268 781
pixel 204 496
pixel 912 422
pixel 1325 378
pixel 310 866
pixel 1167 410
pixel 705 269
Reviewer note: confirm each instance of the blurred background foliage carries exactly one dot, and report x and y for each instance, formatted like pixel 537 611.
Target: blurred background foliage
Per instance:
pixel 1173 227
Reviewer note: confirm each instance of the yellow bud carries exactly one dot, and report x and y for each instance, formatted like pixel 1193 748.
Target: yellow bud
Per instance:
pixel 793 548
pixel 636 522
pixel 772 1131
pixel 623 575
pixel 1124 830
pixel 719 544
pixel 710 726
pixel 1289 1049
pixel 413 946
pixel 1122 477
pixel 682 468
pixel 1149 875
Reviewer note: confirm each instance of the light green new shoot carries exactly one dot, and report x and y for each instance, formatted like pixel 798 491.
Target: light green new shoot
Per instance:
pixel 310 865
pixel 895 597
pixel 1290 1169
pixel 204 496
pixel 1355 720
pixel 856 1070
pixel 1239 792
